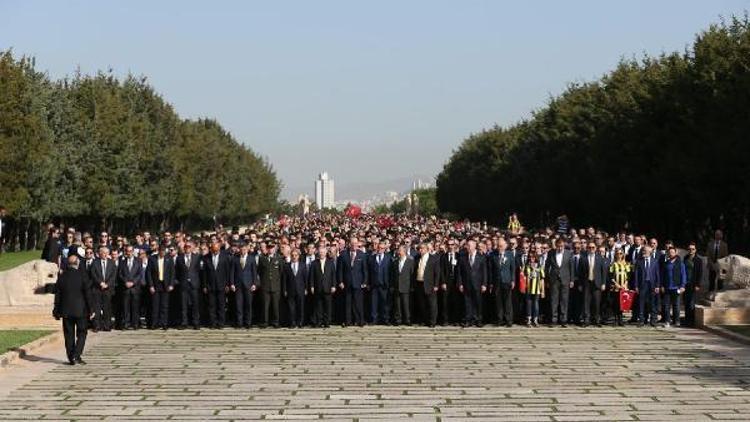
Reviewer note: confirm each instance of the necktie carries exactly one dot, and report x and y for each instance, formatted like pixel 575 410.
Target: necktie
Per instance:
pixel 187 260
pixel 161 269
pixel 716 251
pixel 130 264
pixel 400 265
pixel 647 262
pixel 104 268
pixel 242 262
pixel 471 261
pixel 294 268
pixel 354 254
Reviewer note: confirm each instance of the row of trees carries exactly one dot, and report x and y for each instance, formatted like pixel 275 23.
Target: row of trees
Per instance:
pixel 660 145
pixel 98 152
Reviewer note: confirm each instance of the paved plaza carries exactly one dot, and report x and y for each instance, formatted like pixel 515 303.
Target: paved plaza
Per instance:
pixel 388 373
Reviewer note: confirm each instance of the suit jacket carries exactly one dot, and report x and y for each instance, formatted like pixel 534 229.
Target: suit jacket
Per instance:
pixel 219 277
pixel 696 277
pixel 134 274
pixel 563 273
pixel 322 280
pixel 448 269
pixel 472 276
pixel 404 279
pixel 601 270
pixel 294 284
pixel 152 273
pixel 248 276
pixel 711 255
pixel 431 272
pixel 352 274
pixel 380 274
pixel 502 269
pixel 269 272
pixel 189 277
pixel 652 275
pixel 95 272
pixel 72 295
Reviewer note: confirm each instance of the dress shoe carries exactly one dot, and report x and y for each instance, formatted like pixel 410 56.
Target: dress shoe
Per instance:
pixel 80 361
pixel 71 362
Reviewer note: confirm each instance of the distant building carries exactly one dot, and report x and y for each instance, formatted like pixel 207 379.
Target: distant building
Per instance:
pixel 324 191
pixel 419 184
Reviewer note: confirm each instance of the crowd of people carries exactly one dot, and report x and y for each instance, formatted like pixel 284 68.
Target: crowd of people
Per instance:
pixel 321 270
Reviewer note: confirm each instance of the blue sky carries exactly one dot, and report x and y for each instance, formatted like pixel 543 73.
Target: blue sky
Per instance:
pixel 369 91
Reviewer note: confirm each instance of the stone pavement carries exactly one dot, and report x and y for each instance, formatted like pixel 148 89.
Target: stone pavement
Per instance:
pixel 387 373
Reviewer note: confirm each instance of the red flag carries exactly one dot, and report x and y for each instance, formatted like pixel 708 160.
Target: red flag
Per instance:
pixel 353 211
pixel 385 222
pixel 626 299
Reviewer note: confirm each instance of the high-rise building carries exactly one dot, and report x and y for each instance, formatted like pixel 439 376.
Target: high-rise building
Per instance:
pixel 324 191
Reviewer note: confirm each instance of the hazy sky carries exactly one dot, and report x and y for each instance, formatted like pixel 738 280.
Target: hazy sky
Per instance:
pixel 369 91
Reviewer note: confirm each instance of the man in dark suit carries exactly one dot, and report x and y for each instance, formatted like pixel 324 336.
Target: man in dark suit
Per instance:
pixel 53 248
pixel 129 276
pixel 217 277
pixel 503 278
pixel 593 278
pixel 103 278
pixel 647 279
pixel 270 266
pixel 160 278
pixel 694 272
pixel 352 276
pixel 449 301
pixel 472 282
pixel 559 276
pixel 188 274
pixel 245 284
pixel 322 286
pixel 294 289
pixel 380 269
pixel 403 283
pixel 427 280
pixel 73 304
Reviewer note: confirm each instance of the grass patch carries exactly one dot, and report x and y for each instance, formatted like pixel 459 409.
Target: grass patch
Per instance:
pixel 10 260
pixel 10 339
pixel 739 329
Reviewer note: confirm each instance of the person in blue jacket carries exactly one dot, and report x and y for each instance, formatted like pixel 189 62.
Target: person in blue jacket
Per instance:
pixel 672 285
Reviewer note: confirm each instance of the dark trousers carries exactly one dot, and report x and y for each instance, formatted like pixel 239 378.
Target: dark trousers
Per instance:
pixel 504 304
pixel 574 305
pixel 159 308
pixel 714 284
pixel 217 307
pixel 613 297
pixel 402 308
pixel 636 310
pixel 189 306
pixel 131 307
pixel 427 303
pixel 672 306
pixel 74 330
pixel 353 305
pixel 103 309
pixel 559 301
pixel 271 307
pixel 296 306
pixel 443 307
pixel 243 301
pixel 323 308
pixel 592 299
pixel 532 306
pixel 646 295
pixel 473 303
pixel 381 308
pixel 690 295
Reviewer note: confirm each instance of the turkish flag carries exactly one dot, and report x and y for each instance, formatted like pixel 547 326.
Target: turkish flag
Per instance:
pixel 385 222
pixel 626 299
